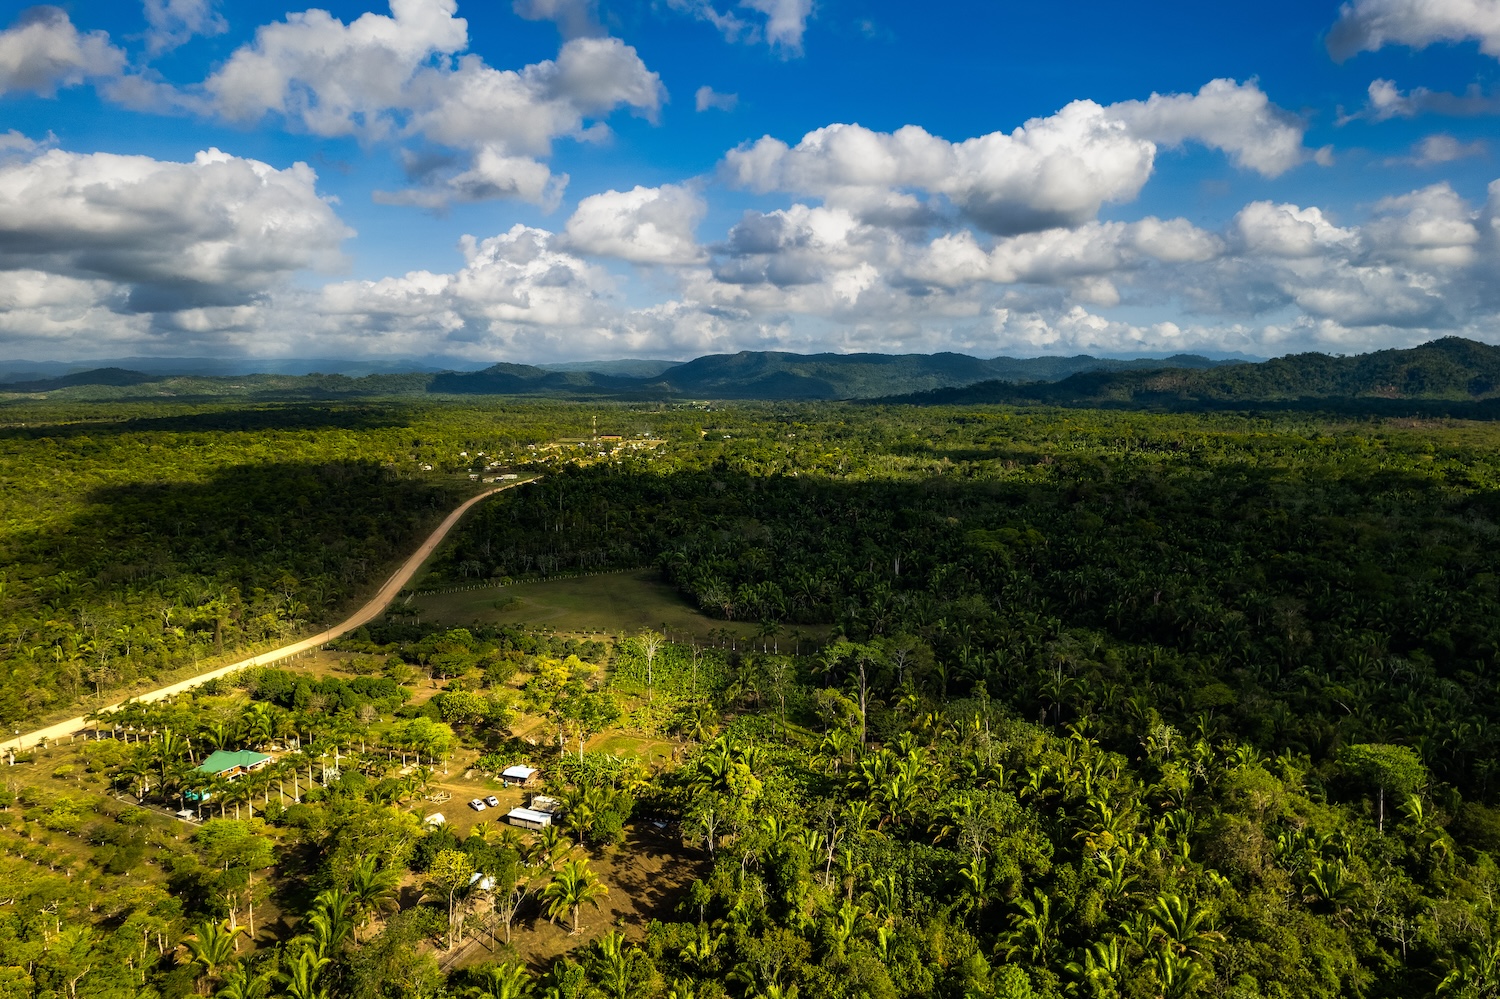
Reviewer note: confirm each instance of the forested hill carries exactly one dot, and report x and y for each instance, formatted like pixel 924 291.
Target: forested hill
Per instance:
pixel 1452 370
pixel 523 379
pixel 765 375
pixel 1452 374
pixel 762 374
pixel 98 376
pixel 777 375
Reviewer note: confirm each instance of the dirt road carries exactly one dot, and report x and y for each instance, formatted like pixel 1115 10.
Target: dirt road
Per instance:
pixel 364 615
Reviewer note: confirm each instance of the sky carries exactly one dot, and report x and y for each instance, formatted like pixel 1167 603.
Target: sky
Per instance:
pixel 553 180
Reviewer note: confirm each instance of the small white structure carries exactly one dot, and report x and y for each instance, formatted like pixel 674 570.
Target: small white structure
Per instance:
pixel 518 774
pixel 479 881
pixel 528 818
pixel 434 820
pixel 542 803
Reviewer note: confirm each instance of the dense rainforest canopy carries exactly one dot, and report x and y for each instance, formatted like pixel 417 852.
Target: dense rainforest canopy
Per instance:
pixel 1038 703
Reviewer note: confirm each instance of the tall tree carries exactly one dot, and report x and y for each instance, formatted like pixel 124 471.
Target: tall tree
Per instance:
pixel 572 887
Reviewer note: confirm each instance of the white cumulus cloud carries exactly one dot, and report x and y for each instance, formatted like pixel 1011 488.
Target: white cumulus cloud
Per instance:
pixel 1368 25
pixel 1050 171
pixel 1053 171
pixel 574 18
pixel 219 230
pixel 645 225
pixel 406 77
pixel 1270 230
pixel 173 22
pixel 1387 101
pixel 1431 227
pixel 42 51
pixel 1438 149
pixel 779 24
pixel 1238 119
pixel 707 98
pixel 517 293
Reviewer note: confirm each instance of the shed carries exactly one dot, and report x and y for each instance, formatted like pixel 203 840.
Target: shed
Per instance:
pixel 434 820
pixel 518 774
pixel 542 803
pixel 528 818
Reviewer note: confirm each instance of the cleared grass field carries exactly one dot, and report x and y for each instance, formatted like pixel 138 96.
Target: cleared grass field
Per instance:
pixel 612 603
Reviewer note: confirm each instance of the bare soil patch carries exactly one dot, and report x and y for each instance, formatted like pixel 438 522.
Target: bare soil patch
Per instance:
pixel 648 877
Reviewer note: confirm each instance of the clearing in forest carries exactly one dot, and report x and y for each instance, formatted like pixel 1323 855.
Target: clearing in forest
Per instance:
pixel 613 603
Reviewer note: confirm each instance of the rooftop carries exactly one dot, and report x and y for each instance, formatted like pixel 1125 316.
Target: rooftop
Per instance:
pixel 221 760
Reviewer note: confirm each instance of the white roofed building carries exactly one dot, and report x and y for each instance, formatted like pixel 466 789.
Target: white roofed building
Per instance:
pixel 519 774
pixel 528 818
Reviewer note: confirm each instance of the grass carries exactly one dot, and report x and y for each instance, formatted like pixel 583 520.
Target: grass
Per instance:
pixel 615 603
pixel 622 744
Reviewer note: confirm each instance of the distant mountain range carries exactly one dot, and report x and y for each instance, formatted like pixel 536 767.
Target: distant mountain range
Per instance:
pixel 226 367
pixel 1449 375
pixel 776 375
pixel 1451 370
pixel 766 375
pixel 630 367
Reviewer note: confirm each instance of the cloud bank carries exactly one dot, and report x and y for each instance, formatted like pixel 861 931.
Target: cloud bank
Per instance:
pixel 1019 239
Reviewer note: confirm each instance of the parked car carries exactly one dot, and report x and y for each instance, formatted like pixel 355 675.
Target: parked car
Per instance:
pixel 478 805
pixel 492 801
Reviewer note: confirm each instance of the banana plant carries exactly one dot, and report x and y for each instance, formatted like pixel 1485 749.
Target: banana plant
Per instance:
pixel 1033 932
pixel 1183 928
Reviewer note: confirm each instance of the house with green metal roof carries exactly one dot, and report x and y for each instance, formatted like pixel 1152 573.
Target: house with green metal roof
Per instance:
pixel 228 764
pixel 224 763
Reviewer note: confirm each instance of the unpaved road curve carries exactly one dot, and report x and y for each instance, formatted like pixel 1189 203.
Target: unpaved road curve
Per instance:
pixel 364 615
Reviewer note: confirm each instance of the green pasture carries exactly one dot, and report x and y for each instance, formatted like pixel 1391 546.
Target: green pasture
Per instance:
pixel 623 744
pixel 613 603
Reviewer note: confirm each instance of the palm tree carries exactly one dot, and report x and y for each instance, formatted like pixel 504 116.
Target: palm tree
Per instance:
pixel 96 718
pixel 172 746
pixel 240 984
pixel 260 723
pixel 571 888
pixel 300 979
pixel 1181 926
pixel 219 734
pixel 237 793
pixel 1034 931
pixel 582 812
pixel 549 845
pixel 616 969
pixel 373 890
pixel 136 774
pixel 212 945
pixel 503 981
pixel 216 788
pixel 702 950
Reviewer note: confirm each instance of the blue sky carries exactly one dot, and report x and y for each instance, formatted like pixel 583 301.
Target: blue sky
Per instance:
pixel 564 179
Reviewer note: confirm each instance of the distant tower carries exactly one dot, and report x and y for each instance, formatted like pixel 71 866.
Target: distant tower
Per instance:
pixel 596 429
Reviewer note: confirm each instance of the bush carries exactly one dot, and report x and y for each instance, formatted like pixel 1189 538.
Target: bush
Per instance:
pixel 608 829
pixel 429 846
